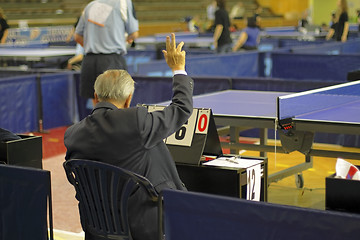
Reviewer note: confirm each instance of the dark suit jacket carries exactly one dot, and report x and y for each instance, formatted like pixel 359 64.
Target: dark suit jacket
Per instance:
pixel 133 139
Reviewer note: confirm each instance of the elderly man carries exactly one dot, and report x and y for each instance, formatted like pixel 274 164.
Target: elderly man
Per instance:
pixel 132 138
pixel 103 30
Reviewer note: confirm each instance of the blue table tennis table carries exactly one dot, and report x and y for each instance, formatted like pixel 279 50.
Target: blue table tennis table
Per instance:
pixel 241 110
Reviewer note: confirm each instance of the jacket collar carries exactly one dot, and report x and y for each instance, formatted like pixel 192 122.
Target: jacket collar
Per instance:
pixel 104 106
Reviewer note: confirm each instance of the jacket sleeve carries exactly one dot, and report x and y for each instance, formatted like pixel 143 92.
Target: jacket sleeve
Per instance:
pixel 156 126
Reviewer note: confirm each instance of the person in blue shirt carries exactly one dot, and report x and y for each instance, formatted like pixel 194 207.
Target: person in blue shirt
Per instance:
pixel 249 38
pixel 104 29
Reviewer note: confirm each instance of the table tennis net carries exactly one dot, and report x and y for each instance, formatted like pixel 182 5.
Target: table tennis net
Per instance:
pixel 298 104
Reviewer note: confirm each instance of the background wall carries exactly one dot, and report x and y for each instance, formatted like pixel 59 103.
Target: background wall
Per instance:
pixel 321 10
pixel 291 9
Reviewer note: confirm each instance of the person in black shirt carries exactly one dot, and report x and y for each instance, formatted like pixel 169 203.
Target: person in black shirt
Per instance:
pixel 358 17
pixel 222 39
pixel 340 28
pixel 341 32
pixel 3 27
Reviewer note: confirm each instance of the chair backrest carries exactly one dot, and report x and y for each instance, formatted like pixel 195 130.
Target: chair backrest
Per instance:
pixel 103 191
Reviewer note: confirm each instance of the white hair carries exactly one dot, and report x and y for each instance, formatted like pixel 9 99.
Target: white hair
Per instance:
pixel 117 85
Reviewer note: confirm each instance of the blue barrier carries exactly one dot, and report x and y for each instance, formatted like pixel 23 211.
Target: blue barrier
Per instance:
pixel 278 84
pixel 19 111
pixel 63 106
pixel 150 90
pixel 136 57
pixel 193 216
pixel 274 43
pixel 331 48
pixel 283 43
pixel 58 100
pixel 18 102
pixel 313 66
pixel 228 65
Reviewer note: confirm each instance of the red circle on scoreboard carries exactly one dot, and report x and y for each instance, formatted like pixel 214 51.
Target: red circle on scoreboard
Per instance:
pixel 202 118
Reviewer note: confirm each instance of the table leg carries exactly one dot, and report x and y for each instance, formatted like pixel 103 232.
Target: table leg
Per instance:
pixel 263 140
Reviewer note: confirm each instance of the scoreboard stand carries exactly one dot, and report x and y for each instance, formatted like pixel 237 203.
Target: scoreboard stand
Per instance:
pixel 196 145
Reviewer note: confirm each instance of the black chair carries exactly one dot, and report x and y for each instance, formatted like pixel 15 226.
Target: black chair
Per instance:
pixel 103 191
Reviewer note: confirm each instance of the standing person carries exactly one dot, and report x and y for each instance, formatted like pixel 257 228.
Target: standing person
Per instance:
pixel 102 30
pixel 304 20
pixel 210 16
pixel 257 15
pixel 132 138
pixel 249 38
pixel 332 26
pixel 222 39
pixel 210 11
pixel 342 30
pixel 238 11
pixel 341 26
pixel 358 18
pixel 3 27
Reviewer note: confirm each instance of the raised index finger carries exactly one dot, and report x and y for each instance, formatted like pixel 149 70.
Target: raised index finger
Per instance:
pixel 167 43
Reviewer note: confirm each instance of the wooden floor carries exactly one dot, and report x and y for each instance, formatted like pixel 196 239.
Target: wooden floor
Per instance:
pixel 312 195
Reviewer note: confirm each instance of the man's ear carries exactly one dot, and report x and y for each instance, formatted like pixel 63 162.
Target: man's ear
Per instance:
pixel 128 101
pixel 96 98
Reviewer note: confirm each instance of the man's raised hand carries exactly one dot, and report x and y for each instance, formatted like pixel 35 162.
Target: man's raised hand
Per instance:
pixel 174 56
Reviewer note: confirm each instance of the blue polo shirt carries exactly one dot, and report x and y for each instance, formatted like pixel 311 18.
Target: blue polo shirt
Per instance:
pixel 103 26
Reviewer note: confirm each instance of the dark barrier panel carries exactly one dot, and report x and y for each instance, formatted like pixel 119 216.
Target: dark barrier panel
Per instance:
pixel 149 90
pixel 226 65
pixel 211 84
pixel 18 103
pixel 278 84
pixel 194 216
pixel 313 66
pixel 25 195
pixel 134 57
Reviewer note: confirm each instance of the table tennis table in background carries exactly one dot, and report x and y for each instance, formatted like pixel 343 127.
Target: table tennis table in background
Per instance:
pixel 190 39
pixel 31 56
pixel 305 36
pixel 242 110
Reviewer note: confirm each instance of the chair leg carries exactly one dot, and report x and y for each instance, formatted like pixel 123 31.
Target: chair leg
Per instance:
pixel 160 218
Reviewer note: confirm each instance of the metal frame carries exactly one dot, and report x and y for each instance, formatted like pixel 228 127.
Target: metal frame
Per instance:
pixel 239 123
